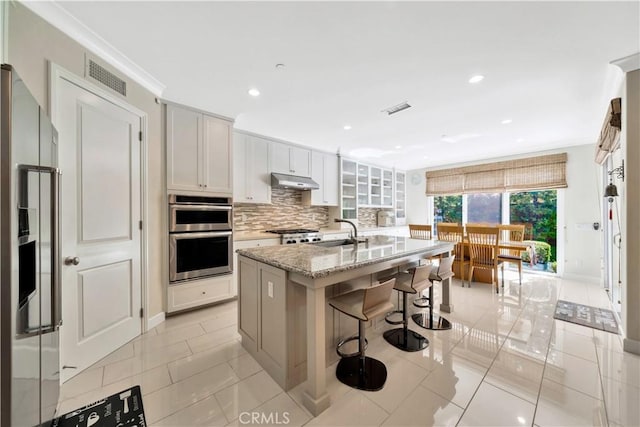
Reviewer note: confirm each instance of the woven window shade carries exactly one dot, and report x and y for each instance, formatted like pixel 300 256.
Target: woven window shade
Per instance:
pixel 609 139
pixel 533 173
pixel 445 184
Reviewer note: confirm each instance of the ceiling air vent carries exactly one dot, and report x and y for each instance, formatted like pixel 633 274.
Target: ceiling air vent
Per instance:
pixel 107 78
pixel 396 108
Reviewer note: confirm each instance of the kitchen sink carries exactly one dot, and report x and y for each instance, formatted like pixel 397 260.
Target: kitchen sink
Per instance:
pixel 334 243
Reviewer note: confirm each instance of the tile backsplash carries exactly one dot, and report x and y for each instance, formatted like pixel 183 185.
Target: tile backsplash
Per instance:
pixel 287 211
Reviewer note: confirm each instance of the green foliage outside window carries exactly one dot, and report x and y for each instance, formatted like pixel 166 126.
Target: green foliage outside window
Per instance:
pixel 537 209
pixel 447 209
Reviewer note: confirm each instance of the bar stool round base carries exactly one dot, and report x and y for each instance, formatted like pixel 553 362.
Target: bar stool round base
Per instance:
pixel 371 377
pixel 406 339
pixel 433 322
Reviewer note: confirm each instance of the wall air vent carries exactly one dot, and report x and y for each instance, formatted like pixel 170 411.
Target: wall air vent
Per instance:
pixel 107 78
pixel 396 108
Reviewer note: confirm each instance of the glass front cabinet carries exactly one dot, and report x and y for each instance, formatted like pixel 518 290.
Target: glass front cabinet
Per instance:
pixel 371 186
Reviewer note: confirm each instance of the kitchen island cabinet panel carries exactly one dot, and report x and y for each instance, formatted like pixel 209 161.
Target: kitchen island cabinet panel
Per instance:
pixel 272 331
pixel 248 296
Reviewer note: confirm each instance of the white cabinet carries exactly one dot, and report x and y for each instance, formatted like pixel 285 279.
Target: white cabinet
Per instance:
pixel 196 293
pixel 290 160
pixel 324 171
pixel 252 178
pixel 349 185
pixel 198 152
pixel 400 187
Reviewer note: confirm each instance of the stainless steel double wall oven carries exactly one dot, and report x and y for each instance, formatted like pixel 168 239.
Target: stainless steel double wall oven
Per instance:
pixel 200 236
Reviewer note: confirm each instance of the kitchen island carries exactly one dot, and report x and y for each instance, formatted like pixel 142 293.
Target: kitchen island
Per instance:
pixel 284 319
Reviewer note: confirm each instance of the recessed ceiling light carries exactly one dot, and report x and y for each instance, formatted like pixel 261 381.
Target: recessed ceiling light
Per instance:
pixel 280 66
pixel 520 140
pixel 425 157
pixel 506 121
pixel 253 92
pixel 398 147
pixel 347 127
pixel 476 79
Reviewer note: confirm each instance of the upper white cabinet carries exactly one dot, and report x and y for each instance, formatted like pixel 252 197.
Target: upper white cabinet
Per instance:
pixel 290 160
pixel 251 177
pixel 199 154
pixel 324 171
pixel 349 183
pixel 401 200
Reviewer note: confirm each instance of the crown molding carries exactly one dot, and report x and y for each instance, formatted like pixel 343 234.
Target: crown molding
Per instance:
pixel 60 18
pixel 628 63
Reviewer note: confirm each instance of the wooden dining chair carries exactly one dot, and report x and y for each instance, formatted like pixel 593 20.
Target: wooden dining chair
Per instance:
pixel 483 251
pixel 511 234
pixel 420 231
pixel 455 233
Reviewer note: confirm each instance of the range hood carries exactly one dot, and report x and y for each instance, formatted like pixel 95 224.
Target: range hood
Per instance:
pixel 280 180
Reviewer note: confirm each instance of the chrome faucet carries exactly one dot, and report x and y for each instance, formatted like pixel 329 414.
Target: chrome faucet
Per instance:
pixel 355 229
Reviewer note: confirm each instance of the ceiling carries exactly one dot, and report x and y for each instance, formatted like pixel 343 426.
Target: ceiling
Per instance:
pixel 546 68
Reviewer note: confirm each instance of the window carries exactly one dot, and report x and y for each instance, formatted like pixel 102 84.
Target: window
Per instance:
pixel 537 210
pixel 447 209
pixel 484 207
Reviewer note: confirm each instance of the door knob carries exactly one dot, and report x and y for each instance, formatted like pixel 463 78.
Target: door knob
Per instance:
pixel 71 260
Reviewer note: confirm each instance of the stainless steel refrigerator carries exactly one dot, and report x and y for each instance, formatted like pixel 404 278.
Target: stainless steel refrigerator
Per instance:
pixel 29 264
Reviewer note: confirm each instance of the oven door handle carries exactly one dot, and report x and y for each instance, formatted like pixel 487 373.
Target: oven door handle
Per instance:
pixel 200 235
pixel 201 207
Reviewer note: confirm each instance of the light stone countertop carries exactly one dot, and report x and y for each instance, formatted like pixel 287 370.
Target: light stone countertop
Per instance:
pixel 316 261
pixel 259 235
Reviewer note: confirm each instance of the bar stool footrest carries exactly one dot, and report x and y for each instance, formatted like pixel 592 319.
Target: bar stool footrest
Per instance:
pixel 421 302
pixel 346 340
pixel 434 321
pixel 362 373
pixel 406 339
pixel 393 322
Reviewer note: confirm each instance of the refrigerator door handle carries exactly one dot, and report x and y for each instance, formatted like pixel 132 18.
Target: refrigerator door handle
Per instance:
pixel 56 294
pixel 56 297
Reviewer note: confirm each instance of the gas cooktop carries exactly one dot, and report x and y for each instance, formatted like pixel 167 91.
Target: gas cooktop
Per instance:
pixel 292 231
pixel 297 235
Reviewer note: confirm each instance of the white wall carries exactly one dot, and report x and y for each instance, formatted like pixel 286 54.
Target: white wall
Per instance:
pixel 579 204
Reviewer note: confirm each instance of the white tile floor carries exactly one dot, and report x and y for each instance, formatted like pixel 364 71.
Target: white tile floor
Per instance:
pixel 505 362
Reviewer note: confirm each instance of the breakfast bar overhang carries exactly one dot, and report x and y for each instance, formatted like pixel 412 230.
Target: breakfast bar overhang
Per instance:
pixel 282 301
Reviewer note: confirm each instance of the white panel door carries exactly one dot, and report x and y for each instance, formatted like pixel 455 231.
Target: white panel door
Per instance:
pixel 100 163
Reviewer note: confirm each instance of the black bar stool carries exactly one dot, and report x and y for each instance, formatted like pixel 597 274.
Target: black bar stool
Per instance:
pixel 412 282
pixel 431 320
pixel 356 369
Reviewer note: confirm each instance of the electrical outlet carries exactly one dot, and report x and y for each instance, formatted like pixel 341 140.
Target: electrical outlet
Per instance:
pixel 244 217
pixel 270 289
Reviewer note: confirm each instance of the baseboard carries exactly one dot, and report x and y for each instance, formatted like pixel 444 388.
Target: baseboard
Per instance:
pixel 154 321
pixel 579 278
pixel 632 346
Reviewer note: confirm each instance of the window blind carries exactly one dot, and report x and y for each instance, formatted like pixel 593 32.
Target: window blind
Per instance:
pixel 609 139
pixel 532 173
